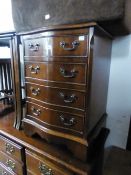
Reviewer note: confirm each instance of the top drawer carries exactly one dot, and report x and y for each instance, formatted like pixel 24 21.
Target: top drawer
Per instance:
pixel 10 148
pixel 56 46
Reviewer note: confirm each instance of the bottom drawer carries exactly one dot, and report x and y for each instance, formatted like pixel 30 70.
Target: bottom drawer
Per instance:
pixel 37 165
pixel 4 171
pixel 11 164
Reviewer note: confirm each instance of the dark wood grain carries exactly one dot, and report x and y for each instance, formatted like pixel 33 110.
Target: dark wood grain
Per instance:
pixel 34 164
pixel 61 97
pixel 99 70
pixel 57 120
pixel 61 72
pixel 16 81
pixel 47 61
pixel 10 148
pixel 12 164
pixel 50 46
pixel 51 152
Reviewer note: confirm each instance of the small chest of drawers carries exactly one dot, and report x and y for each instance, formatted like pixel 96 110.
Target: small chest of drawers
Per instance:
pixel 12 157
pixel 66 80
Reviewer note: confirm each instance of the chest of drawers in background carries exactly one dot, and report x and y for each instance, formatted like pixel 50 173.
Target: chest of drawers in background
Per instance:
pixel 66 79
pixel 11 158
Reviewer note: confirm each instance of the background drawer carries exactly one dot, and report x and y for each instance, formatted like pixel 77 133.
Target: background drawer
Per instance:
pixel 56 46
pixel 12 149
pixel 56 118
pixel 38 165
pixel 11 164
pixel 4 171
pixel 56 96
pixel 60 72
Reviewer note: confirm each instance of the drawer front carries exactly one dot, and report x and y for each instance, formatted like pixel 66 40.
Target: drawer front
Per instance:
pixel 4 171
pixel 11 164
pixel 56 46
pixel 30 173
pixel 61 97
pixel 60 72
pixel 38 165
pixel 56 118
pixel 11 148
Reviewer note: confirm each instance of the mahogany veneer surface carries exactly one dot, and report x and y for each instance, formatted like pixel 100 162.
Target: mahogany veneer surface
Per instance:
pixel 50 152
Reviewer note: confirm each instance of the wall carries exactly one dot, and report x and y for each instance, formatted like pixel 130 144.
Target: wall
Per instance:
pixel 5 52
pixel 119 92
pixel 6 21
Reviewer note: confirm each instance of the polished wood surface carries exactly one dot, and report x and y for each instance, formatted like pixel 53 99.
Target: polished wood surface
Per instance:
pixel 60 108
pixel 56 96
pixel 55 119
pixel 66 71
pixel 66 79
pixel 39 165
pixel 17 80
pixel 10 148
pixel 61 72
pixel 51 152
pixel 56 46
pixel 62 27
pixel 11 164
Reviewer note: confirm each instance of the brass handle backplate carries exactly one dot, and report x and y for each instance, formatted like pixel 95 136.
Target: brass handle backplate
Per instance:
pixel 68 98
pixel 45 170
pixel 67 121
pixel 67 74
pixel 10 164
pixel 75 44
pixel 34 91
pixel 34 47
pixel 36 112
pixel 34 70
pixel 9 148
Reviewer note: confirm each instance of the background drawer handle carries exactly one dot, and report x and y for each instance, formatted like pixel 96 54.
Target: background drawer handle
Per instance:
pixel 10 164
pixel 68 99
pixel 67 122
pixel 63 44
pixel 9 148
pixel 34 47
pixel 45 170
pixel 34 70
pixel 36 112
pixel 2 172
pixel 34 91
pixel 68 74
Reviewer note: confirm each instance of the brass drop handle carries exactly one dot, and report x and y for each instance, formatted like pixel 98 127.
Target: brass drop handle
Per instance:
pixel 67 122
pixel 67 74
pixel 34 70
pixel 45 170
pixel 68 99
pixel 75 44
pixel 9 148
pixel 10 164
pixel 34 47
pixel 2 172
pixel 34 91
pixel 36 112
